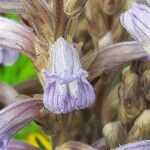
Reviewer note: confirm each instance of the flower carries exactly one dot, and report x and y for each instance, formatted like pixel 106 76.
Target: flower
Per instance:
pixel 8 56
pixel 136 22
pixel 66 86
pixel 145 145
pixel 11 121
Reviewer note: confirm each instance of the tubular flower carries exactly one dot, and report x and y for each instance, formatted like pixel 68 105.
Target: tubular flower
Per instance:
pixel 67 88
pixel 136 22
pixel 11 121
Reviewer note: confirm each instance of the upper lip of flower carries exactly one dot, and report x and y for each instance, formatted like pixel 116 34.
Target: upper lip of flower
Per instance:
pixel 11 121
pixel 136 22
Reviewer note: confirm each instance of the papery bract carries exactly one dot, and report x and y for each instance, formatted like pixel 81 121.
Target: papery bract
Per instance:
pixel 67 88
pixel 136 22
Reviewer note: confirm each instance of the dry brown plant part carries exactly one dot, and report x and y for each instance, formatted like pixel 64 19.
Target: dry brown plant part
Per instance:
pixel 114 133
pixel 41 18
pixel 132 101
pixel 74 145
pixel 133 105
pixel 59 18
pixel 110 105
pixel 140 129
pixel 95 23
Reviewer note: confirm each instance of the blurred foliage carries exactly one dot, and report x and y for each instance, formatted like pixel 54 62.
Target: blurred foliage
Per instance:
pixel 18 72
pixel 12 16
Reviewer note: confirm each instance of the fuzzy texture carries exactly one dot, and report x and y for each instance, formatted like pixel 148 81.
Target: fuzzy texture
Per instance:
pixel 66 86
pixel 136 22
pixel 11 121
pixel 141 145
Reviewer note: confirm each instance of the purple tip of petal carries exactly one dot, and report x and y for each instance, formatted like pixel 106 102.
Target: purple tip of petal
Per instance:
pixel 59 98
pixel 9 56
pixel 140 145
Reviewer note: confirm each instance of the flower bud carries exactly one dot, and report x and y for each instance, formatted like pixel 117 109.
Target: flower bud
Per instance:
pixel 73 7
pixel 131 100
pixel 114 133
pixel 109 107
pixel 74 145
pixel 145 84
pixel 141 128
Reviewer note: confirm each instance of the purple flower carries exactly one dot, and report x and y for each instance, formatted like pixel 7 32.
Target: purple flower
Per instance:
pixel 136 22
pixel 67 88
pixel 14 117
pixel 8 56
pixel 141 145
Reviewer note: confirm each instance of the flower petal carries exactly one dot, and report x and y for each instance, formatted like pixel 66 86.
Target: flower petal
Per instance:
pixel 136 22
pixel 140 145
pixel 7 94
pixel 1 55
pixel 9 56
pixel 16 36
pixel 115 55
pixel 17 145
pixel 16 116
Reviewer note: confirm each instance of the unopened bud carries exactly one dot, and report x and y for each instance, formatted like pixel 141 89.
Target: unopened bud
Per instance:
pixel 73 7
pixel 141 128
pixel 114 133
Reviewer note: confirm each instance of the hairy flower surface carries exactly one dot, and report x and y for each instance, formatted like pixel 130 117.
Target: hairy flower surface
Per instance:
pixel 67 88
pixel 140 145
pixel 13 118
pixel 136 22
